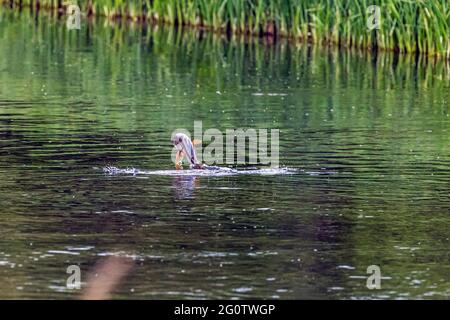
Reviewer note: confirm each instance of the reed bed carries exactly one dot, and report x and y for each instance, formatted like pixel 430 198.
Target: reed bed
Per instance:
pixel 405 26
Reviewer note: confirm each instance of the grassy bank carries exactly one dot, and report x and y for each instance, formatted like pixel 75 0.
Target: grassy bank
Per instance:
pixel 405 25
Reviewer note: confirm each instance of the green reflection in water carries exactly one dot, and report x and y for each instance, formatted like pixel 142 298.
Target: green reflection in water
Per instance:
pixel 369 136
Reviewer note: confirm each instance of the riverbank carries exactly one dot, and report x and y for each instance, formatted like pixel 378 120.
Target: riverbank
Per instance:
pixel 406 27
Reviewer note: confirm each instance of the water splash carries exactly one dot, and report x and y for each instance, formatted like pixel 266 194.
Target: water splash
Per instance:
pixel 217 171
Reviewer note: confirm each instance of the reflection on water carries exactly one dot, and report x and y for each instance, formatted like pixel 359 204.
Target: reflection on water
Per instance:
pixel 215 172
pixel 368 138
pixel 183 187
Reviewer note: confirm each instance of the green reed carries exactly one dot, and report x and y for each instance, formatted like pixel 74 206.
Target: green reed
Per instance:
pixel 405 26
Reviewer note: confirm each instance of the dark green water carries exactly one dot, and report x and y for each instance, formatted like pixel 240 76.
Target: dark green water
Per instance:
pixel 369 136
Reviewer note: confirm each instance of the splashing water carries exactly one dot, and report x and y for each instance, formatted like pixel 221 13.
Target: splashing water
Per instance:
pixel 211 171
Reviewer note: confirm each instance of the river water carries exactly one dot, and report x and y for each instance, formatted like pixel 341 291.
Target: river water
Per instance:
pixel 365 141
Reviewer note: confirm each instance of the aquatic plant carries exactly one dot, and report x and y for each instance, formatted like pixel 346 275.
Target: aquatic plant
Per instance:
pixel 405 25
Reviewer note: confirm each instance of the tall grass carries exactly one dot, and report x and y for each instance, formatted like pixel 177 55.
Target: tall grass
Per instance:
pixel 406 25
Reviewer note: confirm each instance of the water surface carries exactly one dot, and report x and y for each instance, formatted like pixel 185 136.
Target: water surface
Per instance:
pixel 368 138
